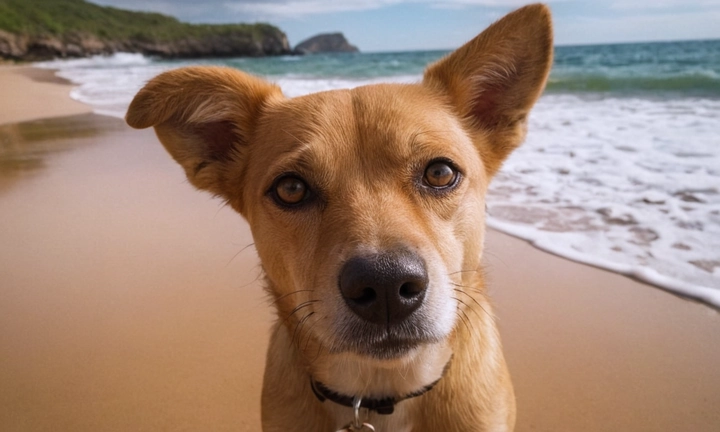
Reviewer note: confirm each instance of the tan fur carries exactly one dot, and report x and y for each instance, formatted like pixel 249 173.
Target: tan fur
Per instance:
pixel 362 152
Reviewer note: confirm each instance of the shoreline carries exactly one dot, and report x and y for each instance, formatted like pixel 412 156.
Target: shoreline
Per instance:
pixel 124 308
pixel 709 297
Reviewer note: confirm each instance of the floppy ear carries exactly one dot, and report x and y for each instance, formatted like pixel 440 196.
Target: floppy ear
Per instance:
pixel 204 116
pixel 493 80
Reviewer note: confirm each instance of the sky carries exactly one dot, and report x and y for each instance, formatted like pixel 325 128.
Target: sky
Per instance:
pixel 401 25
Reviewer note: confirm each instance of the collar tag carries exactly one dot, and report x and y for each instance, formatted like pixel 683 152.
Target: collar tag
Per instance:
pixel 357 425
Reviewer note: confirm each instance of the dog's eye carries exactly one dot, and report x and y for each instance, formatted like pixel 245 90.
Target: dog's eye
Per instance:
pixel 290 190
pixel 440 175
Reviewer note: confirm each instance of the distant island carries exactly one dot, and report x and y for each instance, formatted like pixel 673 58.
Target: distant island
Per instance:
pixel 33 30
pixel 325 43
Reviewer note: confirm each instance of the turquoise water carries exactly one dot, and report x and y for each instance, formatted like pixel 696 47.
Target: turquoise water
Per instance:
pixel 664 69
pixel 346 65
pixel 670 68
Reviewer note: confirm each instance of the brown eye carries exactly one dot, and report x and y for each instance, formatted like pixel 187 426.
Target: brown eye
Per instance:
pixel 440 175
pixel 290 190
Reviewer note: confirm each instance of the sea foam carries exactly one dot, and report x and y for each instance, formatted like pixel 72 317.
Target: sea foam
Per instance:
pixel 629 184
pixel 633 182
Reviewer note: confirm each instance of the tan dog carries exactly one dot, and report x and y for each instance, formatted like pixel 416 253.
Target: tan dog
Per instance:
pixel 367 210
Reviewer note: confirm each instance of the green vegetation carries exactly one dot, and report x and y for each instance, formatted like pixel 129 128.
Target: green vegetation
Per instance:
pixel 61 18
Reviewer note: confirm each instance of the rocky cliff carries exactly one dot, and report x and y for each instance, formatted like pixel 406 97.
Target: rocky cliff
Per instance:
pixel 32 30
pixel 25 47
pixel 325 43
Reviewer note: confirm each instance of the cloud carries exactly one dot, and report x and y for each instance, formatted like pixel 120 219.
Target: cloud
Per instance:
pixel 463 4
pixel 296 8
pixel 661 26
pixel 229 10
pixel 289 8
pixel 634 5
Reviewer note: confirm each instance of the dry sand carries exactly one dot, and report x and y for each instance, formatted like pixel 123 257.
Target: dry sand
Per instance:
pixel 129 302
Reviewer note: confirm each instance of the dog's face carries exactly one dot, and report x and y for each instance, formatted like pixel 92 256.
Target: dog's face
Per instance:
pixel 366 205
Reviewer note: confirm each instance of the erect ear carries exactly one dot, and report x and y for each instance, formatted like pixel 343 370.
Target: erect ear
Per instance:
pixel 493 80
pixel 204 116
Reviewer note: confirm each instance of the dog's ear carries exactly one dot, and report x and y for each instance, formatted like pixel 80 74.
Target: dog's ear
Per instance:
pixel 493 80
pixel 204 116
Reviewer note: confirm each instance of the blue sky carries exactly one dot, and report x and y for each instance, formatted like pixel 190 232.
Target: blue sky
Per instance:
pixel 390 25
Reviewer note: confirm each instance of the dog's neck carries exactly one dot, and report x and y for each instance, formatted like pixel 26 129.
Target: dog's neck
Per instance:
pixel 381 405
pixel 354 375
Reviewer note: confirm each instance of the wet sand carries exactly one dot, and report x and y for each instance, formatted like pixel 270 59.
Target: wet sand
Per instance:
pixel 591 350
pixel 30 93
pixel 129 302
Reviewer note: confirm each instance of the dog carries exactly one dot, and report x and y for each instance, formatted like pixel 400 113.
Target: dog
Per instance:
pixel 367 209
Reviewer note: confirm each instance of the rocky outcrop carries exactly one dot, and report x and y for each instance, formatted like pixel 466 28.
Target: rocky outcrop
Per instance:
pixel 229 44
pixel 221 44
pixel 325 43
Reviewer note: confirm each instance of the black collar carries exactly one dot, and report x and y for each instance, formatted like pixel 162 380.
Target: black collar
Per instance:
pixel 384 405
pixel 381 406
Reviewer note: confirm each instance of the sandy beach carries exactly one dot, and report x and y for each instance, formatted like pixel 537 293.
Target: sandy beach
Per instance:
pixel 32 93
pixel 131 302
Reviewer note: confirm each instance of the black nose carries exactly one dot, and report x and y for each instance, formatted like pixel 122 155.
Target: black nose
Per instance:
pixel 384 288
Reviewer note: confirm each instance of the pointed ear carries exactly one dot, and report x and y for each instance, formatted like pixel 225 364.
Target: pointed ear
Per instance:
pixel 204 116
pixel 493 80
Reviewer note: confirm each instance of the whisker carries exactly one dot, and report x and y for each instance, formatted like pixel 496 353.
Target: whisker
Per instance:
pixel 259 275
pixel 298 307
pixel 470 327
pixel 469 287
pixel 289 294
pixel 465 271
pixel 222 205
pixel 495 256
pixel 462 311
pixel 299 326
pixel 462 318
pixel 473 290
pixel 474 300
pixel 236 255
pixel 309 334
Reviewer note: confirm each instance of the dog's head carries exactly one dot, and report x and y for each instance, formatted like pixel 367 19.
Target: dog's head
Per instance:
pixel 366 205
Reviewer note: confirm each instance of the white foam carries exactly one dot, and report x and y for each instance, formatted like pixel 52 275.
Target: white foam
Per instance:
pixel 630 185
pixel 98 61
pixel 107 83
pixel 550 243
pixel 300 86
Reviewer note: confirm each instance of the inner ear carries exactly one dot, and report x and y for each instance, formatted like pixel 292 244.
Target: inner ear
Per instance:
pixel 485 109
pixel 220 137
pixel 220 140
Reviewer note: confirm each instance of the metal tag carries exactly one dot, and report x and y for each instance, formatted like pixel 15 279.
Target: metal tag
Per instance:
pixel 356 425
pixel 363 427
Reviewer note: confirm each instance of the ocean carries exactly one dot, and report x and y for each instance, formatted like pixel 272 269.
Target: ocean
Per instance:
pixel 620 170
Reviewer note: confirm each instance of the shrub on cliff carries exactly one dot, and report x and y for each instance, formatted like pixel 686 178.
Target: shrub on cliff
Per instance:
pixel 38 29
